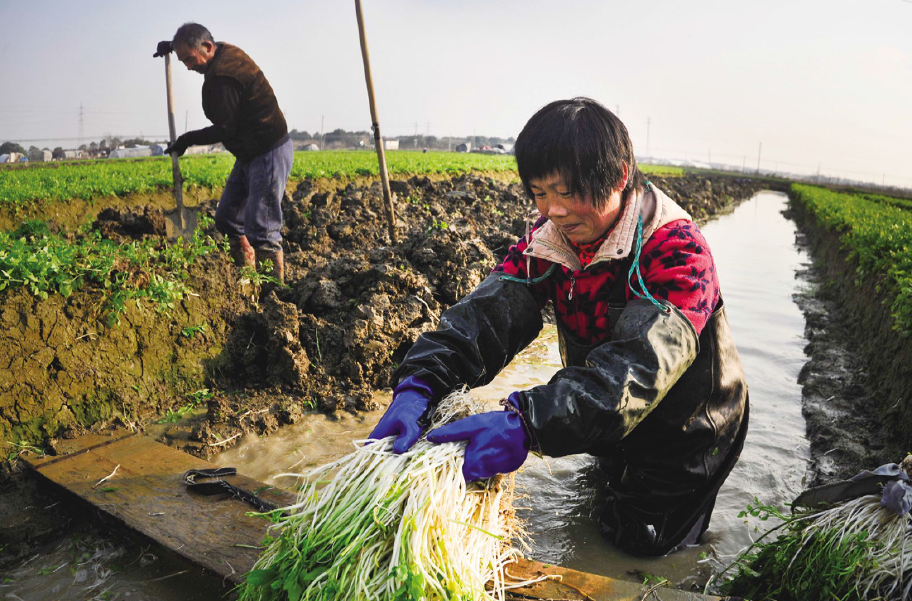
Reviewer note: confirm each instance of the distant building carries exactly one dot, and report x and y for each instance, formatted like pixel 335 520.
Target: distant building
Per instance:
pixel 391 144
pixel 157 150
pixel 130 153
pixel 205 149
pixel 464 147
pixel 13 157
pixel 75 154
pixel 310 147
pixel 47 155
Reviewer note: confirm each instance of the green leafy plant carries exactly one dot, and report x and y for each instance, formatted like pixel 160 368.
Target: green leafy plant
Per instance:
pixel 44 263
pixel 192 331
pixel 20 447
pixel 851 551
pixel 194 400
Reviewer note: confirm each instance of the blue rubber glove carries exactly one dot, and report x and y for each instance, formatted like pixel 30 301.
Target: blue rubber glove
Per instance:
pixel 498 443
pixel 410 403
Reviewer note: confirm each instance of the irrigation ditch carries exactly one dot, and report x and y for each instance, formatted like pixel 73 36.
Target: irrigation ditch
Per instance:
pixel 244 359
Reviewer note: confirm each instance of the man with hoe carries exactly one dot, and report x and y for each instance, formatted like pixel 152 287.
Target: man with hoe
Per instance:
pixel 246 118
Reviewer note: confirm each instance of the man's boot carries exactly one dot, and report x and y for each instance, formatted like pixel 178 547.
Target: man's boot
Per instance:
pixel 278 262
pixel 241 251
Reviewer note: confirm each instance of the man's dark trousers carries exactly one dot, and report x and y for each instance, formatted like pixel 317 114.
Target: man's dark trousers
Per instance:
pixel 251 204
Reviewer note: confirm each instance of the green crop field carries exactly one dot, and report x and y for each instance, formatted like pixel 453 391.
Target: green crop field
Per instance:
pixel 87 180
pixel 876 234
pixel 57 262
pixel 92 179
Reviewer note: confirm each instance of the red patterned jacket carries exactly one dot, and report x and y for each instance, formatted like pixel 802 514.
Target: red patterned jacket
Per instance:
pixel 675 263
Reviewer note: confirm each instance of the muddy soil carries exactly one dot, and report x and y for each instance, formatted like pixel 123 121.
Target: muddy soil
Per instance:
pixel 353 305
pixel 857 384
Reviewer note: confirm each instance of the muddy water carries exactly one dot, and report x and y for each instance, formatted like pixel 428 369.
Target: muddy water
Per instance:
pixel 757 262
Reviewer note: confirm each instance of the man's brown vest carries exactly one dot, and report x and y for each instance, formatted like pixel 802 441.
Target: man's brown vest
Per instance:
pixel 261 124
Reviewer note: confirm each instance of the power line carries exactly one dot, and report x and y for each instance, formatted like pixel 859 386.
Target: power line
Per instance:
pixel 122 136
pixel 75 112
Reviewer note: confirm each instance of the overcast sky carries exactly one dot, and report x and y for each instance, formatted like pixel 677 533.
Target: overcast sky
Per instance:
pixel 816 82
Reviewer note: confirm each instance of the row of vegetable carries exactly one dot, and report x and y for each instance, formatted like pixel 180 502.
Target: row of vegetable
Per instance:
pixel 875 233
pixel 119 177
pixel 87 180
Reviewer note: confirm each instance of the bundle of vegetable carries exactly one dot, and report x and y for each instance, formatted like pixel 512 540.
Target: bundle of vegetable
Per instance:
pixel 377 525
pixel 858 548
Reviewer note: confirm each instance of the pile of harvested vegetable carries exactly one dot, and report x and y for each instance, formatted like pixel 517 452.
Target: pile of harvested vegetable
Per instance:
pixel 377 525
pixel 855 549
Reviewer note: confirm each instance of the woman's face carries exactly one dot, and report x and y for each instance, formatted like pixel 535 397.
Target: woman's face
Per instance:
pixel 576 217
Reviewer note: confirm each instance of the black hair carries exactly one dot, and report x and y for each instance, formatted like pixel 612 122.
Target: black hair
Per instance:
pixel 582 141
pixel 191 35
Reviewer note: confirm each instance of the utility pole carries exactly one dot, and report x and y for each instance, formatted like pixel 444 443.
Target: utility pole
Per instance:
pixel 617 111
pixel 758 157
pixel 648 121
pixel 321 132
pixel 81 129
pixel 710 157
pixel 818 174
pixel 743 163
pixel 186 118
pixel 416 134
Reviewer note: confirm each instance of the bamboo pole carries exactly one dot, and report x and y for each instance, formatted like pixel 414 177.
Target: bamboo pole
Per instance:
pixel 375 126
pixel 175 165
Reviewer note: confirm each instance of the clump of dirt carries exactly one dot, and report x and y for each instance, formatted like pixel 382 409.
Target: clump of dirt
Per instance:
pixel 122 224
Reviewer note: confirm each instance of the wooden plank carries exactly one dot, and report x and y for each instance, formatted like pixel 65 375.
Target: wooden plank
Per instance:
pixel 66 448
pixel 147 494
pixel 565 584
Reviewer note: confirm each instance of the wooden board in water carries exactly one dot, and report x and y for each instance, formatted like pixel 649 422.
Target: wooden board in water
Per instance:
pixel 147 494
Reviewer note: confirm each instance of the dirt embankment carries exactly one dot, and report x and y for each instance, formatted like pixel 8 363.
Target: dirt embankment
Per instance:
pixel 62 369
pixel 857 384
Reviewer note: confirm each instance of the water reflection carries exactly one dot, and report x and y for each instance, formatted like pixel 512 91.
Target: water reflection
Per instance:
pixel 93 562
